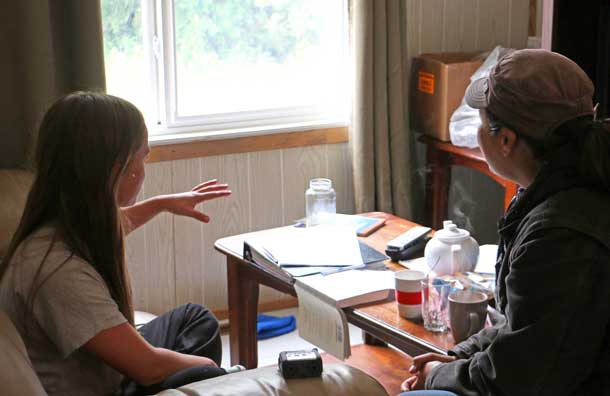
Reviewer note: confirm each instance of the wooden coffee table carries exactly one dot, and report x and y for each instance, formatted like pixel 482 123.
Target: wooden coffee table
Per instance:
pixel 380 320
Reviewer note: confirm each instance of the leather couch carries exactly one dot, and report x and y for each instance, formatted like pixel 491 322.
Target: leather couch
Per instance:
pixel 17 376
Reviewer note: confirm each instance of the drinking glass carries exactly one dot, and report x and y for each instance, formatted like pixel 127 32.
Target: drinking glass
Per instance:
pixel 435 304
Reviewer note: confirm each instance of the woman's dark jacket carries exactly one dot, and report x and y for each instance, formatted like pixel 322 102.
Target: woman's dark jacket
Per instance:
pixel 553 286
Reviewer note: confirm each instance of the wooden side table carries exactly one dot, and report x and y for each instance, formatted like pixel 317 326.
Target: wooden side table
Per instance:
pixel 440 156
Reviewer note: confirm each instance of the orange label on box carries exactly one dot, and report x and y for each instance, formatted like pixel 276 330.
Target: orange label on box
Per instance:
pixel 426 83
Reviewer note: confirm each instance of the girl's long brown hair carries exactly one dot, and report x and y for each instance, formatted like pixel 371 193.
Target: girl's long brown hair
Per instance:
pixel 85 143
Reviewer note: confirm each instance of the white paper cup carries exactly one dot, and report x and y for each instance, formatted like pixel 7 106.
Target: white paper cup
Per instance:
pixel 408 293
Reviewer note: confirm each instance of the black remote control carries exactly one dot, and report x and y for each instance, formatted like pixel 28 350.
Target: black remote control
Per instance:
pixel 412 251
pixel 409 243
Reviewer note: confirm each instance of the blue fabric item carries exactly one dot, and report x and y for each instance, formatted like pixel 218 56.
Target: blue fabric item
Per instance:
pixel 268 326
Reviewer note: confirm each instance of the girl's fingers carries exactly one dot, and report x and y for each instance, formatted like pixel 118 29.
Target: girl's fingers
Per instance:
pixel 195 214
pixel 212 195
pixel 214 187
pixel 204 184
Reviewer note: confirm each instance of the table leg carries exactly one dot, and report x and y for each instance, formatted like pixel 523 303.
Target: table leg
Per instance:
pixel 243 303
pixel 437 185
pixel 370 339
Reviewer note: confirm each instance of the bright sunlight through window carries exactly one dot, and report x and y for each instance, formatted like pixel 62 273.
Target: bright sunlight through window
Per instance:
pixel 214 66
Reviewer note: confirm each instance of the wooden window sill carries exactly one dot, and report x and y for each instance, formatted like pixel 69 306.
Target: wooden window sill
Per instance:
pixel 246 144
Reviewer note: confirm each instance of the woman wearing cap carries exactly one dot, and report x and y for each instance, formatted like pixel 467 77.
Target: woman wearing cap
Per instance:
pixel 553 267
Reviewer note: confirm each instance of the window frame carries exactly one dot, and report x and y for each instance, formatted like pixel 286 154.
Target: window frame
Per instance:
pixel 166 126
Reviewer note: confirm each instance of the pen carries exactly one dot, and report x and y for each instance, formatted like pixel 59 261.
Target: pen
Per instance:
pixel 341 269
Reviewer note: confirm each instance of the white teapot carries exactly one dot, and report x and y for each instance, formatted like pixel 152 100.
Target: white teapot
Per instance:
pixel 451 250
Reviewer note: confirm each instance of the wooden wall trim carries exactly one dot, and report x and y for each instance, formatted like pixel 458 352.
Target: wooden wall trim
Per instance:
pixel 207 148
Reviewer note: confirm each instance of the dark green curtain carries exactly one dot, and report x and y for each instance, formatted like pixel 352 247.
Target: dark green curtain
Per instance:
pixel 49 48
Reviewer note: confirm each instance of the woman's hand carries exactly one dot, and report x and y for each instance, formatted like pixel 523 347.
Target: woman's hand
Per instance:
pixel 421 368
pixel 184 204
pixel 418 381
pixel 421 360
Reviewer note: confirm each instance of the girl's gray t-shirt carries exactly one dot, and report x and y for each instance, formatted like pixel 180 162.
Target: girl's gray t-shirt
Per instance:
pixel 71 307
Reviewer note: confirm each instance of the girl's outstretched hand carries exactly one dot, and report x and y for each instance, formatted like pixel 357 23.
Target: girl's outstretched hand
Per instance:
pixel 185 204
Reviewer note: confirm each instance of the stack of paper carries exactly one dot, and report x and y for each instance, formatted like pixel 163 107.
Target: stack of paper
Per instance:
pixel 316 246
pixel 299 252
pixel 321 320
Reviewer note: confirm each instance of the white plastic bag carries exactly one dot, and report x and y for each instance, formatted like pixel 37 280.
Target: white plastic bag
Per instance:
pixel 465 120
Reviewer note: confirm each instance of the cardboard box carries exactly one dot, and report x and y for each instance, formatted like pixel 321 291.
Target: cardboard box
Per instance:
pixel 438 83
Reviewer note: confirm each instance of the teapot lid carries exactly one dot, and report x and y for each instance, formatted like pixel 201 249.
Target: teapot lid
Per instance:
pixel 451 233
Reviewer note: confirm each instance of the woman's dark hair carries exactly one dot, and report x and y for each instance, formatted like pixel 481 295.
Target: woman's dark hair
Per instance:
pixel 590 141
pixel 85 143
pixel 583 137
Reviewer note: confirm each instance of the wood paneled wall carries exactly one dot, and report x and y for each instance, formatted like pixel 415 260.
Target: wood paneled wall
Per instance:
pixel 172 259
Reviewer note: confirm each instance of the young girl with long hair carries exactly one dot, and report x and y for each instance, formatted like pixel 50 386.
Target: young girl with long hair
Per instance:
pixel 64 280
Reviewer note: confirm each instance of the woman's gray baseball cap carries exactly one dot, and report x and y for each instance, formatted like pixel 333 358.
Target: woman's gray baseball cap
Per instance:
pixel 533 91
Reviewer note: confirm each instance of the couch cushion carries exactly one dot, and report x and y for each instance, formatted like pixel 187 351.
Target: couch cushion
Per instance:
pixel 14 188
pixel 17 376
pixel 336 379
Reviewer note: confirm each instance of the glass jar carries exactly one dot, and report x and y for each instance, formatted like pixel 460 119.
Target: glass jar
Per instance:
pixel 320 202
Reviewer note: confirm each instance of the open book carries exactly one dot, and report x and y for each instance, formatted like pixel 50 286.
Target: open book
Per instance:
pixel 349 288
pixel 322 324
pixel 321 319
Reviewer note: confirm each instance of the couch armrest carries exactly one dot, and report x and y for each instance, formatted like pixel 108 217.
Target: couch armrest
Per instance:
pixel 17 376
pixel 14 187
pixel 336 379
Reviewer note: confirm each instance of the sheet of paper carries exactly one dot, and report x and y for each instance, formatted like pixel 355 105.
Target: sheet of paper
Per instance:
pixel 486 263
pixel 418 264
pixel 323 245
pixel 322 324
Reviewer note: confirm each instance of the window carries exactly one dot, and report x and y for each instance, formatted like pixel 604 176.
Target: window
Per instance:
pixel 229 66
